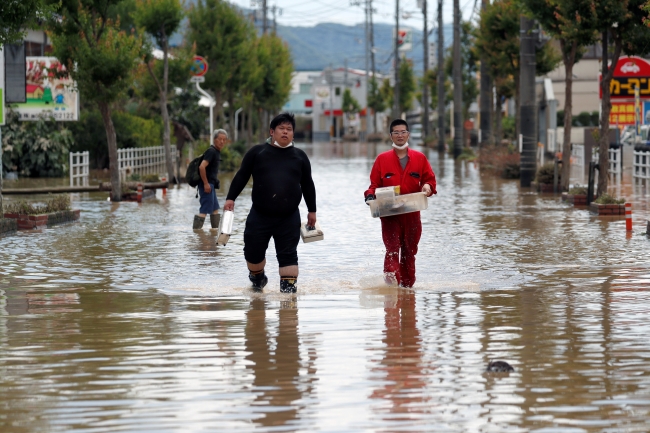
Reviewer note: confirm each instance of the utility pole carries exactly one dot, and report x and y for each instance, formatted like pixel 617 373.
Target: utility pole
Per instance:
pixel 485 100
pixel 441 82
pixel 274 10
pixel 372 59
pixel 458 85
pixel 425 90
pixel 527 118
pixel 366 8
pixel 396 110
pixel 264 14
pixel 329 79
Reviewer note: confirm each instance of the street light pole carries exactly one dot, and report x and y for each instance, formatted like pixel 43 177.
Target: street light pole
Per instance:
pixel 425 89
pixel 441 83
pixel 458 85
pixel 396 108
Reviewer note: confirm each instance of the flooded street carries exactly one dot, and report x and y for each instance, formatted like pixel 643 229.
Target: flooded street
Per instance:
pixel 130 321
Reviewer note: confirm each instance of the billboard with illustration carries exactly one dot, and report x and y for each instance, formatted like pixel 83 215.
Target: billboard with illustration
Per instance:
pixel 50 91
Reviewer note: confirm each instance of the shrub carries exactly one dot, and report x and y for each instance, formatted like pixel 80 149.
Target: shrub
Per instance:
pixel 231 155
pixel 499 160
pixel 149 178
pixel 467 154
pixel 608 199
pixel 578 190
pixel 546 173
pixel 35 149
pixel 56 203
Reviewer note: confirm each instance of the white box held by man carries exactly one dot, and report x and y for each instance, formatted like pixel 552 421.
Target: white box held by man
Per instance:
pixel 311 234
pixel 400 204
pixel 225 227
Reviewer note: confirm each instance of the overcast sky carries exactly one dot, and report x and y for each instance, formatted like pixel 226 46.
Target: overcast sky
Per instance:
pixel 311 12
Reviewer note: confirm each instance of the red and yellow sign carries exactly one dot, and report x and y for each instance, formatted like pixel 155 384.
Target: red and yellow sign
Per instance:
pixel 622 113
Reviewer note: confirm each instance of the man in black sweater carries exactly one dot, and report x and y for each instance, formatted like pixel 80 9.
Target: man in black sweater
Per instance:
pixel 281 177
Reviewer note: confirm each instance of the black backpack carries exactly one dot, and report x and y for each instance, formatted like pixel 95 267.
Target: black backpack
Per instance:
pixel 192 174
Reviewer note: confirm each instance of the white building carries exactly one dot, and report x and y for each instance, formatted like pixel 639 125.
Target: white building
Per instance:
pixel 327 93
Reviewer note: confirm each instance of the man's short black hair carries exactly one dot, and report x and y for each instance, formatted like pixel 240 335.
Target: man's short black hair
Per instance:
pixel 283 118
pixel 396 122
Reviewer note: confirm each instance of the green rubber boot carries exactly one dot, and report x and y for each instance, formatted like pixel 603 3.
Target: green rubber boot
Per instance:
pixel 198 222
pixel 215 218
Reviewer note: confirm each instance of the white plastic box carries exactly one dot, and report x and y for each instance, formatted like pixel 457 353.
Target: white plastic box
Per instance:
pixel 311 235
pixel 398 204
pixel 225 227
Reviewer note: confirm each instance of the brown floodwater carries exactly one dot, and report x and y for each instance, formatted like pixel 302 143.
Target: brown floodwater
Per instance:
pixel 130 321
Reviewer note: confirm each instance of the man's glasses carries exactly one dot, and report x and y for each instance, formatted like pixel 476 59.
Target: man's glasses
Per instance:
pixel 399 132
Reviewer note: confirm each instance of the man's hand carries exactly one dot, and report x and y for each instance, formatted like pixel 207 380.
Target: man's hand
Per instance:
pixel 427 189
pixel 311 218
pixel 369 197
pixel 207 188
pixel 230 205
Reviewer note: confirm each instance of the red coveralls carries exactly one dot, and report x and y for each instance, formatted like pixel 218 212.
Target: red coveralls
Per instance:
pixel 401 233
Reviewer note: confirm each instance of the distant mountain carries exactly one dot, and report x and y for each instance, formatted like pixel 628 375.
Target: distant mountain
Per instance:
pixel 314 48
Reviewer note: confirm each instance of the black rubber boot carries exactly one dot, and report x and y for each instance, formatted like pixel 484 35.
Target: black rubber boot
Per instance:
pixel 198 222
pixel 258 279
pixel 288 284
pixel 214 220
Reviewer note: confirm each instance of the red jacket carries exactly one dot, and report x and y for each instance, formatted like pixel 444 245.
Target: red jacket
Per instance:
pixel 387 171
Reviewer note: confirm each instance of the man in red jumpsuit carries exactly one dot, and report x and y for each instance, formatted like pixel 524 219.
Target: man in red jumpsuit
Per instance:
pixel 410 170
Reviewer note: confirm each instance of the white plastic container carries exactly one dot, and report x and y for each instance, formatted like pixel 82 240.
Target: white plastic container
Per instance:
pixel 387 192
pixel 311 235
pixel 397 205
pixel 225 227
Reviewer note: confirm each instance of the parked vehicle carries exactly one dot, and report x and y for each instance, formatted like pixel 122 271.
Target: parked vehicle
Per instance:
pixel 416 133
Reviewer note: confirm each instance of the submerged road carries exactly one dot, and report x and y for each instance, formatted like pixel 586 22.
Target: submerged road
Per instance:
pixel 130 321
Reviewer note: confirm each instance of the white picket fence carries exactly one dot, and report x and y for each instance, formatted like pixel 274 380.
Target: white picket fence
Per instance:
pixel 578 154
pixel 79 168
pixel 641 170
pixel 143 160
pixel 615 163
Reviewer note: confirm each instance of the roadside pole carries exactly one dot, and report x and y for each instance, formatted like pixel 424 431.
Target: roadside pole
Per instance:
pixel 527 107
pixel 200 68
pixel 441 83
pixel 2 119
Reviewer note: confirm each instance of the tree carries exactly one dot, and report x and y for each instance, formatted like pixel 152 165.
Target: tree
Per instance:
pixel 498 39
pixel 375 100
pixel 469 67
pixel 160 19
pixel 221 35
pixel 16 16
pixel 101 58
pixel 406 85
pixel 349 105
pixel 573 24
pixel 621 23
pixel 276 69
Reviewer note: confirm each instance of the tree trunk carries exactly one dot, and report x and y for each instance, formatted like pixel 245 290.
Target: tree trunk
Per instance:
pixel 231 118
pixel 498 116
pixel 165 114
pixel 603 148
pixel 517 126
pixel 111 139
pixel 249 126
pixel 569 59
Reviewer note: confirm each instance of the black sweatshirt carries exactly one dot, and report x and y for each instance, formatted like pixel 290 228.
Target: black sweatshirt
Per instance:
pixel 281 176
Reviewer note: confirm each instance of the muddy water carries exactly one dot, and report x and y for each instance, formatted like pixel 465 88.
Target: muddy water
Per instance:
pixel 129 321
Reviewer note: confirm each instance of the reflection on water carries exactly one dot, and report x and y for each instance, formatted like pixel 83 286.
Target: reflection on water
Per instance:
pixel 131 321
